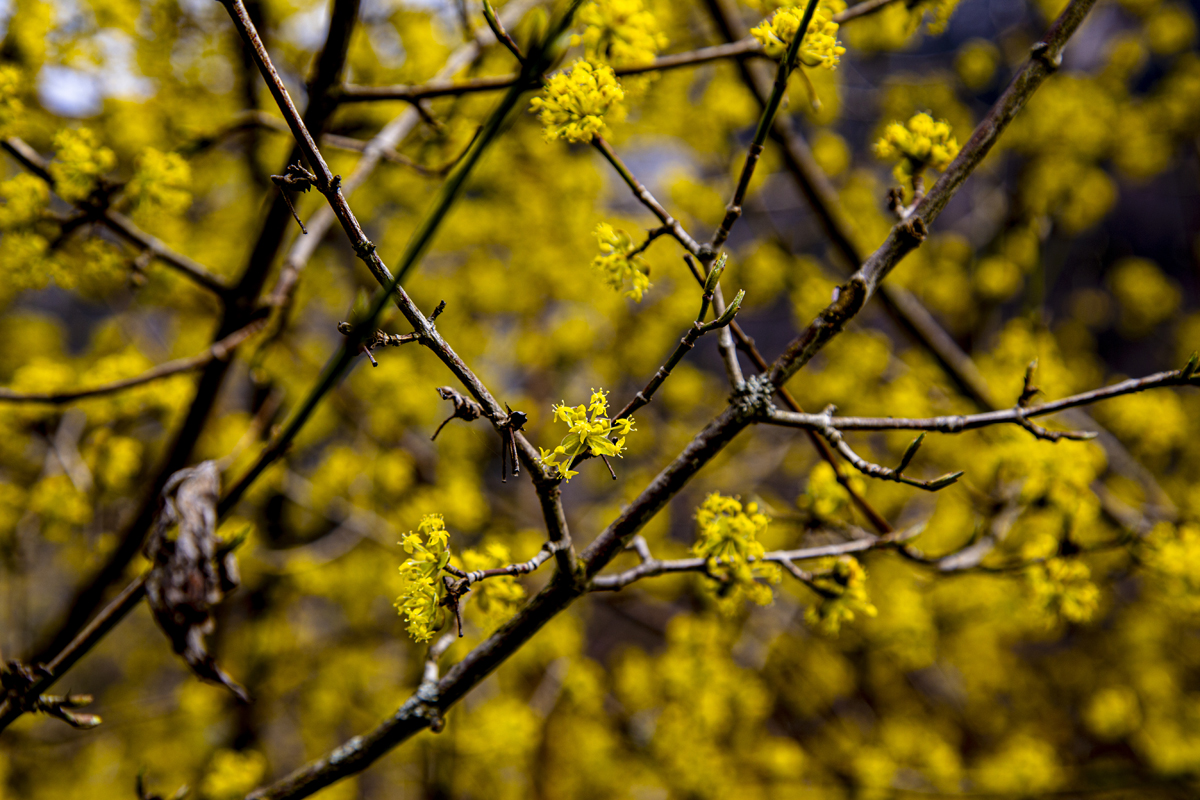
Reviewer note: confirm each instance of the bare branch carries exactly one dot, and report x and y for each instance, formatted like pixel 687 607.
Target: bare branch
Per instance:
pixel 443 87
pixel 120 224
pixel 651 567
pixel 1014 416
pixel 87 638
pixel 907 235
pixel 860 10
pixel 220 350
pixel 647 199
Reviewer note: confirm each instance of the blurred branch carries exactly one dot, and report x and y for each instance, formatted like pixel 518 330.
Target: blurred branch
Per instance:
pixel 351 93
pixel 862 10
pixel 241 308
pixel 260 119
pixel 114 612
pixel 120 224
pixel 387 140
pixel 220 350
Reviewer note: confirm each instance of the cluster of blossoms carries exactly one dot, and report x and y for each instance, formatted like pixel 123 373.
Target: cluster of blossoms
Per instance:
pixel 577 100
pixel 1174 553
pixel 79 160
pixel 588 436
pixel 844 593
pixel 1063 589
pixel 11 106
pixel 921 143
pixel 728 541
pixel 497 598
pixel 619 32
pixel 421 586
pixel 820 47
pixel 619 264
pixel 161 181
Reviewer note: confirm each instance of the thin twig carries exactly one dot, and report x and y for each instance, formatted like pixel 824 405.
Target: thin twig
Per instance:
pixel 351 93
pixel 219 350
pixel 966 422
pixel 360 751
pixel 647 199
pixel 908 235
pixel 786 65
pixel 651 567
pixel 103 622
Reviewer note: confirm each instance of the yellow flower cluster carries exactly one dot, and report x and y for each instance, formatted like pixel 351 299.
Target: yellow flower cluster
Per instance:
pixel 921 143
pixel 161 181
pixel 727 540
pixel 1063 589
pixel 619 32
pixel 422 589
pixel 1174 553
pixel 1146 295
pixel 617 265
pixel 78 161
pixel 496 598
pixel 11 106
pixel 592 436
pixel 576 101
pixel 843 593
pixel 24 198
pixel 820 47
pixel 233 773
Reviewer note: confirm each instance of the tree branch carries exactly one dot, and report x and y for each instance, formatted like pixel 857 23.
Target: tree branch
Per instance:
pixel 906 236
pixel 221 350
pixel 1016 415
pixel 27 157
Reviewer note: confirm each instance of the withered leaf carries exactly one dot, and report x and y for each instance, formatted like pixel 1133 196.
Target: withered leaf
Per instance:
pixel 186 581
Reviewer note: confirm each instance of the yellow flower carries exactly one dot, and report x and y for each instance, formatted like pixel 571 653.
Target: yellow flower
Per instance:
pixel 844 593
pixel 162 181
pixel 577 100
pixel 619 32
pixel 617 265
pixel 728 540
pixel 1063 588
pixel 78 162
pixel 422 587
pixel 921 143
pixel 496 599
pixel 592 436
pixel 820 47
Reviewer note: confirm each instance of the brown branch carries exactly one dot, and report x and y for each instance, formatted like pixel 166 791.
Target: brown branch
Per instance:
pixel 646 198
pixel 119 223
pixel 81 644
pixel 219 350
pixel 651 567
pixel 241 308
pixel 908 235
pixel 1012 416
pixel 861 10
pixel 387 140
pixel 351 93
